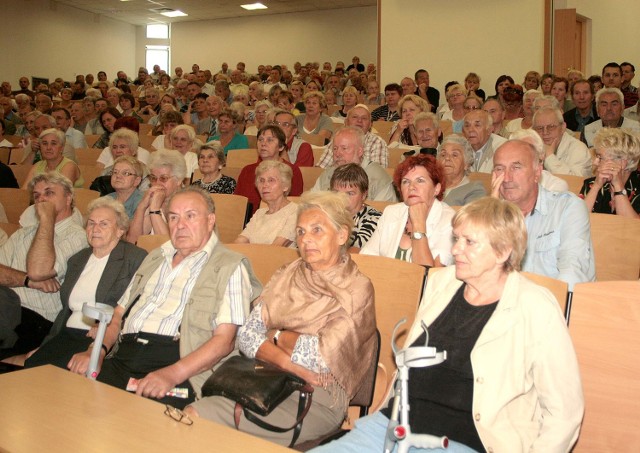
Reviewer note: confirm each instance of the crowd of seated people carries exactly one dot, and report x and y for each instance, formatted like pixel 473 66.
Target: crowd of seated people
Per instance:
pixel 525 137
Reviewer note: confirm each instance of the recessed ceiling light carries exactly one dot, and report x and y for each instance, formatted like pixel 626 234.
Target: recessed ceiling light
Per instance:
pixel 176 13
pixel 252 6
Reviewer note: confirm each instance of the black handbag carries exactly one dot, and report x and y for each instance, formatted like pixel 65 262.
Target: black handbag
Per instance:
pixel 259 387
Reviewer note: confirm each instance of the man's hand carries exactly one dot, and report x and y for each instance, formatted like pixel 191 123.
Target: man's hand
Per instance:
pixel 496 182
pixel 552 147
pixel 157 383
pixel 50 285
pixel 79 363
pixel 45 210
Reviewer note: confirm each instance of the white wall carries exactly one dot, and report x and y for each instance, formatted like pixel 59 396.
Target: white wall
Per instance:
pixel 60 42
pixel 452 38
pixel 614 32
pixel 286 38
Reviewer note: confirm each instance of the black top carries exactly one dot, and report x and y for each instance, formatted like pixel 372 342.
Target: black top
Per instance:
pixel 7 178
pixel 571 120
pixel 441 396
pixel 433 96
pixel 604 203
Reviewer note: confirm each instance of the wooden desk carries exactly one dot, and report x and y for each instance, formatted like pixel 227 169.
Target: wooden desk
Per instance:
pixel 53 410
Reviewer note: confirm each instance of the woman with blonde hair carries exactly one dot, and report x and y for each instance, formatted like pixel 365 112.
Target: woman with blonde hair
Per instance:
pixel 403 131
pixel 313 121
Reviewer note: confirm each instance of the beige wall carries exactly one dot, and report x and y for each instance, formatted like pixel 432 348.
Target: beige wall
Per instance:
pixel 613 32
pixel 451 39
pixel 60 42
pixel 286 38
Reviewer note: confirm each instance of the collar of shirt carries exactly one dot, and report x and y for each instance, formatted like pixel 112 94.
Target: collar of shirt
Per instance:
pixel 168 250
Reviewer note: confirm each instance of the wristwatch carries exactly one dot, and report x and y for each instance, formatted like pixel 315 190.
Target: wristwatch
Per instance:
pixel 620 192
pixel 417 235
pixel 276 336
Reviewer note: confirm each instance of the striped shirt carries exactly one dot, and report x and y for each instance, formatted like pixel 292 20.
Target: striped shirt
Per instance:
pixel 165 295
pixel 365 223
pixel 69 238
pixel 375 149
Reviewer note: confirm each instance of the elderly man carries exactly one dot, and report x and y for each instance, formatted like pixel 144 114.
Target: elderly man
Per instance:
pixel 348 147
pixel 564 154
pixel 205 87
pixel 495 108
pixel 629 91
pixel 408 86
pixel 223 91
pixel 183 309
pixel 63 122
pixel 209 126
pixel 33 263
pixel 477 128
pixel 193 88
pixel 236 86
pixel 375 148
pixel 44 104
pixel 610 105
pixel 5 89
pixel 559 234
pixel 299 152
pixel 389 111
pixel 275 76
pixel 585 111
pixel 152 100
pixel 32 150
pixel 425 91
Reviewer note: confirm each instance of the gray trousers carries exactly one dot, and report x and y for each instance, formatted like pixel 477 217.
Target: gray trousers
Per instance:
pixel 324 417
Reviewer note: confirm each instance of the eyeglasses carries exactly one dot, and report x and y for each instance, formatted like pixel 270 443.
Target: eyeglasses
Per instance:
pixel 124 173
pixel 177 415
pixel 163 179
pixel 285 124
pixel 548 129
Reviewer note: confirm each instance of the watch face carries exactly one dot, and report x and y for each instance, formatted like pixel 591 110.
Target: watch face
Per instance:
pixel 417 235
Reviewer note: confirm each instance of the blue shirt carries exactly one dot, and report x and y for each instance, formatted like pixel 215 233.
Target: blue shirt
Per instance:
pixel 132 202
pixel 559 238
pixel 238 141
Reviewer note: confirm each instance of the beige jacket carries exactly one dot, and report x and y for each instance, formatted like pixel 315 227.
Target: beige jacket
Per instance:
pixel 527 395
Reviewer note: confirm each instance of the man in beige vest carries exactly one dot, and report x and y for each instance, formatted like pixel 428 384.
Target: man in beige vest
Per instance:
pixel 181 312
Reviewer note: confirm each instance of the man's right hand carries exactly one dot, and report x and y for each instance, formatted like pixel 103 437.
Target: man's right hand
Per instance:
pixel 45 210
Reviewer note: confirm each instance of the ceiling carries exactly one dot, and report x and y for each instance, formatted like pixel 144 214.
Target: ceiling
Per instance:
pixel 139 12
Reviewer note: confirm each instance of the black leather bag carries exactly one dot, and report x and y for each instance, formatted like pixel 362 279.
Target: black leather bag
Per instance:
pixel 258 387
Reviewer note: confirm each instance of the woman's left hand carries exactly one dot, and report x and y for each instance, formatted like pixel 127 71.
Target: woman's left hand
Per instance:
pixel 616 171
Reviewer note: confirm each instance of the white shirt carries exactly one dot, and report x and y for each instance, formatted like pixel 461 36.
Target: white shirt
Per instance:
pixel 85 291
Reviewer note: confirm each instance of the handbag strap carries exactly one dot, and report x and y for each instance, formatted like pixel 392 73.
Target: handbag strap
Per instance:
pixel 304 404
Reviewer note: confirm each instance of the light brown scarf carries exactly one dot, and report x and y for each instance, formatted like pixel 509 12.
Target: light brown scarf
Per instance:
pixel 337 305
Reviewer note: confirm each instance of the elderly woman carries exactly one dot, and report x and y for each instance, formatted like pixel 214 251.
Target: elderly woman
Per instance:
pixel 183 139
pixel 211 159
pixel 527 109
pixel 52 143
pixel 113 96
pixel 456 156
pixel 615 188
pixel 272 145
pixel 126 174
pixel 227 135
pixel 349 101
pixel 107 119
pixel 167 171
pixel 256 93
pixel 404 131
pixel 456 95
pixel 352 180
pixel 510 381
pixel 65 95
pixel 419 229
pixel 275 224
pixel 259 117
pixel 99 273
pixel 123 142
pixel 313 121
pixel 315 319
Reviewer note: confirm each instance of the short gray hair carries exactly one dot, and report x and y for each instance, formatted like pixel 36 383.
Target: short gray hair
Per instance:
pixel 127 135
pixel 620 144
pixel 122 219
pixel 206 196
pixel 57 132
pixel 353 130
pixel 53 177
pixel 615 91
pixel 286 174
pixel 467 151
pixel 543 110
pixel 547 98
pixel 170 158
pixel 532 137
pixel 424 116
pixel 216 147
